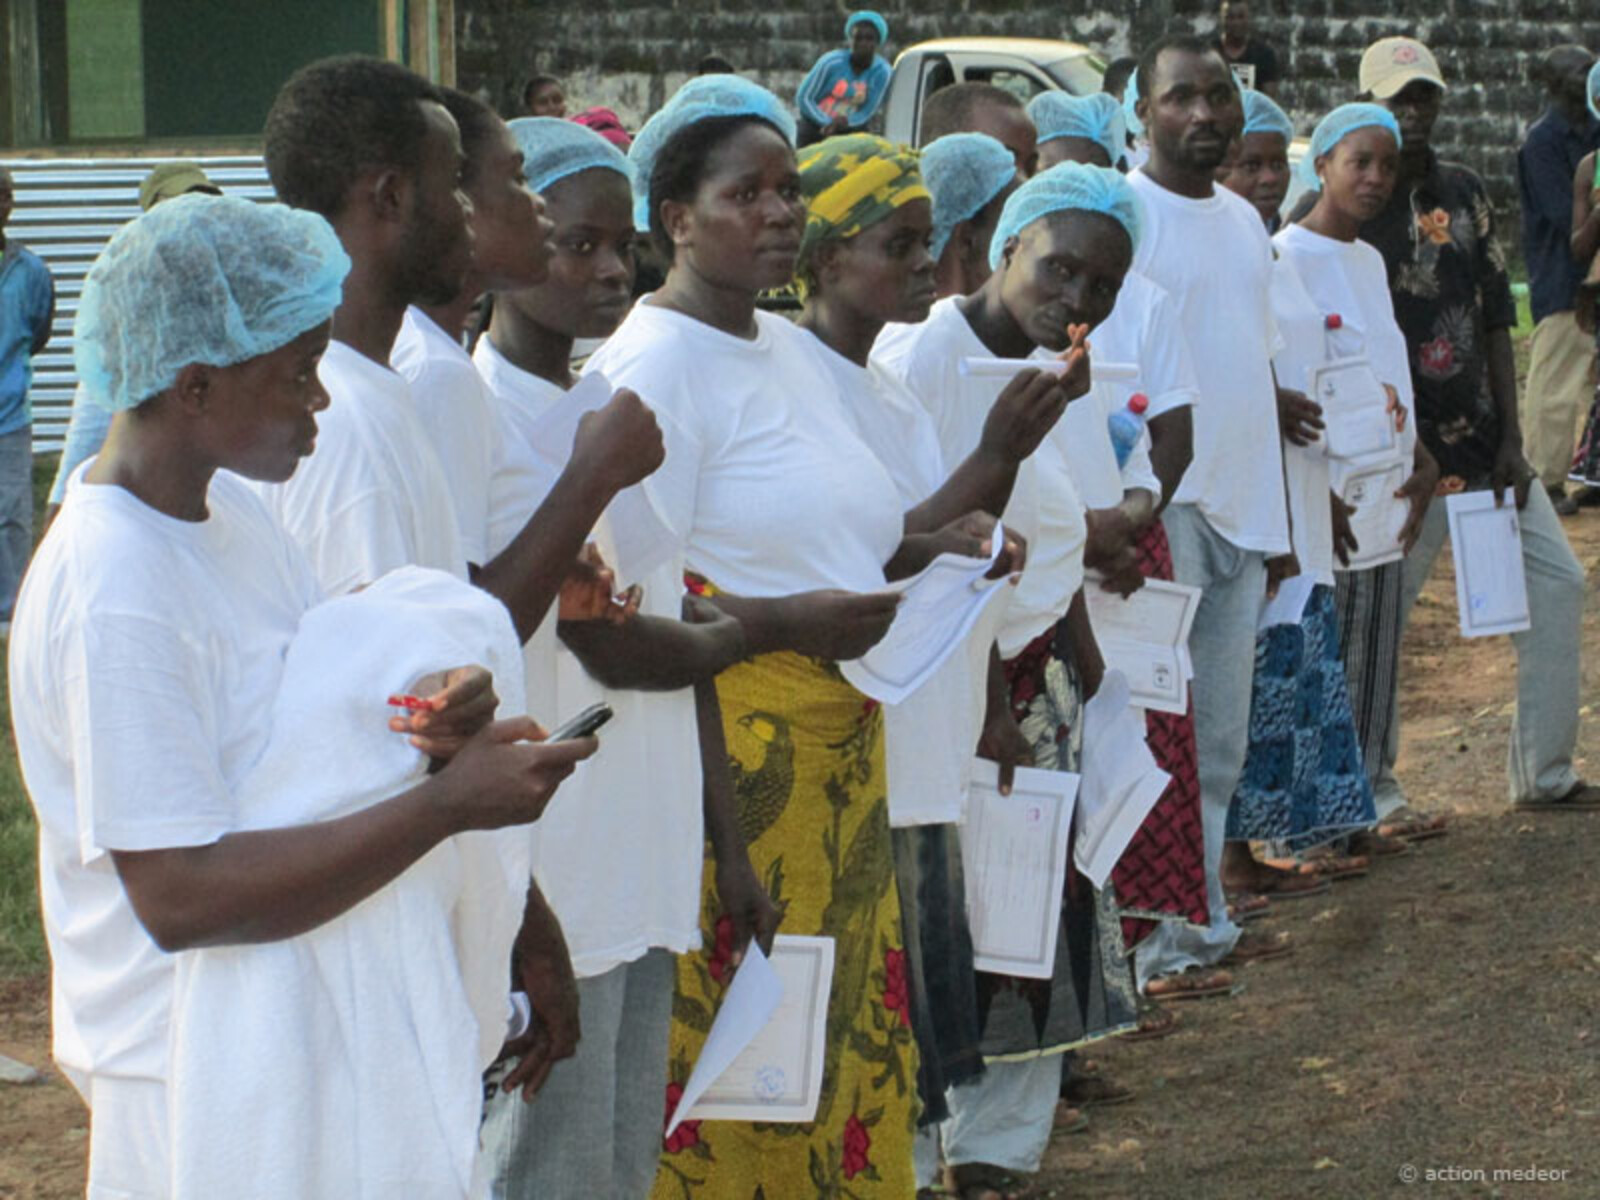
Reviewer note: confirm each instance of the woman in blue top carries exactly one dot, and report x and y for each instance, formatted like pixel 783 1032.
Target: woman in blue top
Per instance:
pixel 844 87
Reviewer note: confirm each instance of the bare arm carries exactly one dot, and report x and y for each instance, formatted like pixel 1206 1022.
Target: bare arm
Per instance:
pixel 1585 213
pixel 266 885
pixel 653 654
pixel 744 898
pixel 1171 450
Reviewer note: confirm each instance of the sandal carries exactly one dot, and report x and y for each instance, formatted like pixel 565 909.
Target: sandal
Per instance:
pixel 1583 797
pixel 1070 1119
pixel 1155 1022
pixel 1327 866
pixel 1373 843
pixel 1413 826
pixel 1084 1091
pixel 1258 947
pixel 1289 885
pixel 982 1181
pixel 1192 983
pixel 1248 906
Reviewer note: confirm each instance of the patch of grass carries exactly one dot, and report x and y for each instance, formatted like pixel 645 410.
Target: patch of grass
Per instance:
pixel 22 947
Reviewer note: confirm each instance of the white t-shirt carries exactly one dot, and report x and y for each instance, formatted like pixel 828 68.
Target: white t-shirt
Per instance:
pixel 933 734
pixel 1213 259
pixel 768 489
pixel 635 807
pixel 1044 506
pixel 1144 329
pixel 373 496
pixel 1299 323
pixel 145 658
pixel 452 405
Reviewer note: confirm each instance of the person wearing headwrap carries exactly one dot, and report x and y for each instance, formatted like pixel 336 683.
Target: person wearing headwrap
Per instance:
pixel 1084 129
pixel 153 626
pixel 969 176
pixel 587 1130
pixel 1561 369
pixel 1087 217
pixel 1257 166
pixel 785 519
pixel 864 265
pixel 844 87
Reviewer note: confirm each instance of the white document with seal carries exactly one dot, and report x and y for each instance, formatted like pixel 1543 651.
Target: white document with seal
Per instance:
pixel 1121 781
pixel 762 1060
pixel 1379 515
pixel 938 608
pixel 1289 605
pixel 1014 854
pixel 1491 585
pixel 1146 637
pixel 1357 423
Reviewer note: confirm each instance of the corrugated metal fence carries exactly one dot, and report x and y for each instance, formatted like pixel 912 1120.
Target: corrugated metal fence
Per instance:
pixel 66 211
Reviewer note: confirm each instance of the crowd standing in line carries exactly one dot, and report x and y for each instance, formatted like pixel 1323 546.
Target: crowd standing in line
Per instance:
pixel 283 926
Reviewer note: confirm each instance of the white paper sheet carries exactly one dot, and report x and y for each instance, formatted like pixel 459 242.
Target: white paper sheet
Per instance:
pixel 1289 605
pixel 1014 854
pixel 1146 638
pixel 1121 781
pixel 763 1059
pixel 1379 516
pixel 1357 424
pixel 976 367
pixel 938 608
pixel 1491 586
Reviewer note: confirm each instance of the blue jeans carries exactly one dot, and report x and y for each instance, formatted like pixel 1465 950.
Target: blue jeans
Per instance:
pixel 16 513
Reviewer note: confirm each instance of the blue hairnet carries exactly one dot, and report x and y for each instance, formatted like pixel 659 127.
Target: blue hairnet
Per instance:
pixel 1067 187
pixel 871 18
pixel 201 279
pixel 1096 118
pixel 1130 101
pixel 553 148
pixel 701 99
pixel 1262 115
pixel 1334 127
pixel 1594 90
pixel 963 171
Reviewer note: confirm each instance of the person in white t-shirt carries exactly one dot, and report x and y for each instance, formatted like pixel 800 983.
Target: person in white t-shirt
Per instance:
pixel 595 1126
pixel 147 653
pixel 863 262
pixel 969 176
pixel 1060 250
pixel 1347 280
pixel 1206 247
pixel 373 148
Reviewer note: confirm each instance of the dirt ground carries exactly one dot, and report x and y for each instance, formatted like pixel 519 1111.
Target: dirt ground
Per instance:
pixel 1439 1022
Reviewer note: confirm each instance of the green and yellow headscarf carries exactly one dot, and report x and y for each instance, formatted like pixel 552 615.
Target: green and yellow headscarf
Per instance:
pixel 851 183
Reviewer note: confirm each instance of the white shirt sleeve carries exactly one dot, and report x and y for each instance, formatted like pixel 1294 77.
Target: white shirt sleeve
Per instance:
pixel 1165 365
pixel 144 736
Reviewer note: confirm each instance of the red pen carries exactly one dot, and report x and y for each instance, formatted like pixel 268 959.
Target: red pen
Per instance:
pixel 412 703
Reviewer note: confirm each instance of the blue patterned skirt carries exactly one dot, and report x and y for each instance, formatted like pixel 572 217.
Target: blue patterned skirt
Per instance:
pixel 1304 782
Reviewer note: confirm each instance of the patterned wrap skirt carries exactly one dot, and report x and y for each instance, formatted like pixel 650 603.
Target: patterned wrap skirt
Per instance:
pixel 1304 782
pixel 806 752
pixel 1091 995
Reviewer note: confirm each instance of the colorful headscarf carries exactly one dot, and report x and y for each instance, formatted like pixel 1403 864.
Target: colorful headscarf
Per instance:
pixel 851 183
pixel 871 18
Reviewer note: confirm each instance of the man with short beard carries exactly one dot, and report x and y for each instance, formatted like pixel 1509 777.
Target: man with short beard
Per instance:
pixel 1228 521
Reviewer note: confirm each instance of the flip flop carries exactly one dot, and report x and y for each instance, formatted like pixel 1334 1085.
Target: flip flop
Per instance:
pixel 1252 948
pixel 1093 1091
pixel 1248 906
pixel 969 1180
pixel 1192 983
pixel 1326 866
pixel 1069 1118
pixel 1155 1023
pixel 1407 823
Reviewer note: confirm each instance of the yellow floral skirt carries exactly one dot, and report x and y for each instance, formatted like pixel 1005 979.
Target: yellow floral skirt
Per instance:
pixel 806 752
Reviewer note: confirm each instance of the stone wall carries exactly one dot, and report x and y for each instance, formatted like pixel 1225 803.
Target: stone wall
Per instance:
pixel 630 54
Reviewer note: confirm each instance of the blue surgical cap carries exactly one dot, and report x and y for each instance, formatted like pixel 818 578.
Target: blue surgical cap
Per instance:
pixel 1096 118
pixel 1334 127
pixel 1262 115
pixel 553 148
pixel 963 171
pixel 1594 90
pixel 201 279
pixel 1130 101
pixel 1067 187
pixel 701 99
pixel 871 18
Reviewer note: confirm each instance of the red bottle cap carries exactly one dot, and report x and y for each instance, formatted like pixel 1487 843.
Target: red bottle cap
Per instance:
pixel 1137 403
pixel 1333 321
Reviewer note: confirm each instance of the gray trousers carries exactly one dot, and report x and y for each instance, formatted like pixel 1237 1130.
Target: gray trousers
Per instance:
pixel 16 513
pixel 594 1129
pixel 1223 647
pixel 1544 731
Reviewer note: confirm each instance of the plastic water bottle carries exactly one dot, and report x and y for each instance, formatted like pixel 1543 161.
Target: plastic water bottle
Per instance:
pixel 1127 426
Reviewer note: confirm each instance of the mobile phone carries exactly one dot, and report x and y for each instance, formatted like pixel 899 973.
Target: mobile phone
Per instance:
pixel 585 723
